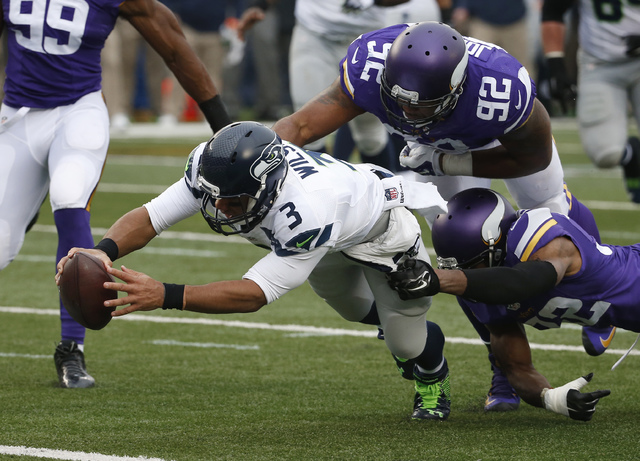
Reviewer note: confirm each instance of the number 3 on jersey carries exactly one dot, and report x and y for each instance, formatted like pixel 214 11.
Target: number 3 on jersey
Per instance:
pixel 64 15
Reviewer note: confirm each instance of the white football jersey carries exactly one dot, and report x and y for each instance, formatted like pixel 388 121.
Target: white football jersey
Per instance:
pixel 604 26
pixel 327 19
pixel 325 206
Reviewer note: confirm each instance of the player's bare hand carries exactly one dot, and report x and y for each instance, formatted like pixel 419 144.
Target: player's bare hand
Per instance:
pixel 143 292
pixel 101 255
pixel 248 19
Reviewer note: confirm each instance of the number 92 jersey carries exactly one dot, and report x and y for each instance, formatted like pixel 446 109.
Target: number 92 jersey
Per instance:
pixel 497 97
pixel 54 49
pixel 605 291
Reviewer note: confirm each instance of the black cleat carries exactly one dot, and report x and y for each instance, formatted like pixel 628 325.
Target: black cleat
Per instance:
pixel 69 360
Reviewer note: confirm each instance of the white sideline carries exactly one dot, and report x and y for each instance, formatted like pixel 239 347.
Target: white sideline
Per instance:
pixel 292 328
pixel 67 455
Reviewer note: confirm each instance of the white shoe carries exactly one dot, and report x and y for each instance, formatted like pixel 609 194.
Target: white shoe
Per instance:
pixel 167 120
pixel 120 122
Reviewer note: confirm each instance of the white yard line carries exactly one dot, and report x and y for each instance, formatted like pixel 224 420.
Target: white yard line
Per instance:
pixel 67 455
pixel 290 328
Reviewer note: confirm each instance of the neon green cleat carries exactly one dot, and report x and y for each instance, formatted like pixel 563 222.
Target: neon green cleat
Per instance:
pixel 433 399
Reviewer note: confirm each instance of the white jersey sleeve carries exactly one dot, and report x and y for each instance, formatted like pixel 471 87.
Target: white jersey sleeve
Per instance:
pixel 173 205
pixel 277 275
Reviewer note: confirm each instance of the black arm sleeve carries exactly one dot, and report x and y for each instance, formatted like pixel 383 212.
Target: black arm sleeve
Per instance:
pixel 506 285
pixel 553 10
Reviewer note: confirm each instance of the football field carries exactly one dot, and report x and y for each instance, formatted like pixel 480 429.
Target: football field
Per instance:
pixel 293 381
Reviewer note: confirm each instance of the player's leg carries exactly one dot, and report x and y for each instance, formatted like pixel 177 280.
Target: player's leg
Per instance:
pixel 24 182
pixel 602 114
pixel 76 160
pixel 373 141
pixel 413 340
pixel 311 70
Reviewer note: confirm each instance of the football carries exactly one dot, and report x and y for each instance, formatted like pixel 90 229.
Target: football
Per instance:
pixel 82 292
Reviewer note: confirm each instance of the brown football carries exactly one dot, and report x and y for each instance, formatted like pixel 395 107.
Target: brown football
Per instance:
pixel 82 292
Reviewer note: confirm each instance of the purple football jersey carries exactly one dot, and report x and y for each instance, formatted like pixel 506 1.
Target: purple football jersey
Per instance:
pixel 497 96
pixel 54 49
pixel 604 292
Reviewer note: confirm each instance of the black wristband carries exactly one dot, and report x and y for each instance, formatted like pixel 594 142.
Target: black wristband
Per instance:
pixel 506 285
pixel 173 296
pixel 214 111
pixel 109 247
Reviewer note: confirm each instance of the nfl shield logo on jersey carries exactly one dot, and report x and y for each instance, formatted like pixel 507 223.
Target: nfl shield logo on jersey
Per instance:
pixel 391 194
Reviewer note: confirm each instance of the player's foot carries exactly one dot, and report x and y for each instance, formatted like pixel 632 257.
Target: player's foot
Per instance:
pixel 432 399
pixel 632 171
pixel 69 360
pixel 596 340
pixel 501 396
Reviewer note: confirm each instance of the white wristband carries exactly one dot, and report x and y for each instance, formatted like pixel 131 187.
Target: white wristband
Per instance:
pixel 555 400
pixel 457 164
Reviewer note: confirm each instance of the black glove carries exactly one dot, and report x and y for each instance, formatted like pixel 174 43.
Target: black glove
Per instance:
pixel 633 46
pixel 414 279
pixel 569 401
pixel 582 406
pixel 562 89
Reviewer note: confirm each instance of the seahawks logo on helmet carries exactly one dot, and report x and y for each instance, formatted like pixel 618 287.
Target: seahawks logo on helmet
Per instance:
pixel 267 162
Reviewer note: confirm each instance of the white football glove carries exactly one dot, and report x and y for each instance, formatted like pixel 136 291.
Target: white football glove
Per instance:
pixel 422 159
pixel 355 6
pixel 569 401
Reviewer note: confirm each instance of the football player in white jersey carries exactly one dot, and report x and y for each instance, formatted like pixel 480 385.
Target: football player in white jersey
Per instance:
pixel 608 79
pixel 342 227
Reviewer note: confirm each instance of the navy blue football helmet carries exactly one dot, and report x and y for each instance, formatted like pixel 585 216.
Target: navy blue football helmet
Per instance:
pixel 244 159
pixel 473 230
pixel 425 69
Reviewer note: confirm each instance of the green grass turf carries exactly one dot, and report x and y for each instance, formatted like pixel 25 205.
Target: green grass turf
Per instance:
pixel 295 397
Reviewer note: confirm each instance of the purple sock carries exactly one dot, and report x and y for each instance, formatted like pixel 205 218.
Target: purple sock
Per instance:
pixel 73 231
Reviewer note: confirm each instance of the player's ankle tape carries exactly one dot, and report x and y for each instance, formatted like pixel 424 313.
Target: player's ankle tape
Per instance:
pixel 173 296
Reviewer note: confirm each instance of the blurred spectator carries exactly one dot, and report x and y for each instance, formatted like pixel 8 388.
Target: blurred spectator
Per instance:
pixel 501 22
pixel 201 22
pixel 608 80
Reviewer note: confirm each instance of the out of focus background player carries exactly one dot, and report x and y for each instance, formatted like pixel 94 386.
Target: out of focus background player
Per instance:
pixel 608 79
pixel 54 126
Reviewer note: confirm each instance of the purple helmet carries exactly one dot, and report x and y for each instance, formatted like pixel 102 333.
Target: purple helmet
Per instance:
pixel 425 68
pixel 473 230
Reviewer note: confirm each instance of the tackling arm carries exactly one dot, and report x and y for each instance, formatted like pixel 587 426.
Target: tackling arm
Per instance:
pixel 319 117
pixel 524 151
pixel 510 346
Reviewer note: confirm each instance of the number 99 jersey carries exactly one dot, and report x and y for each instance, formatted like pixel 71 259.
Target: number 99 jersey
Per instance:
pixel 497 96
pixel 54 49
